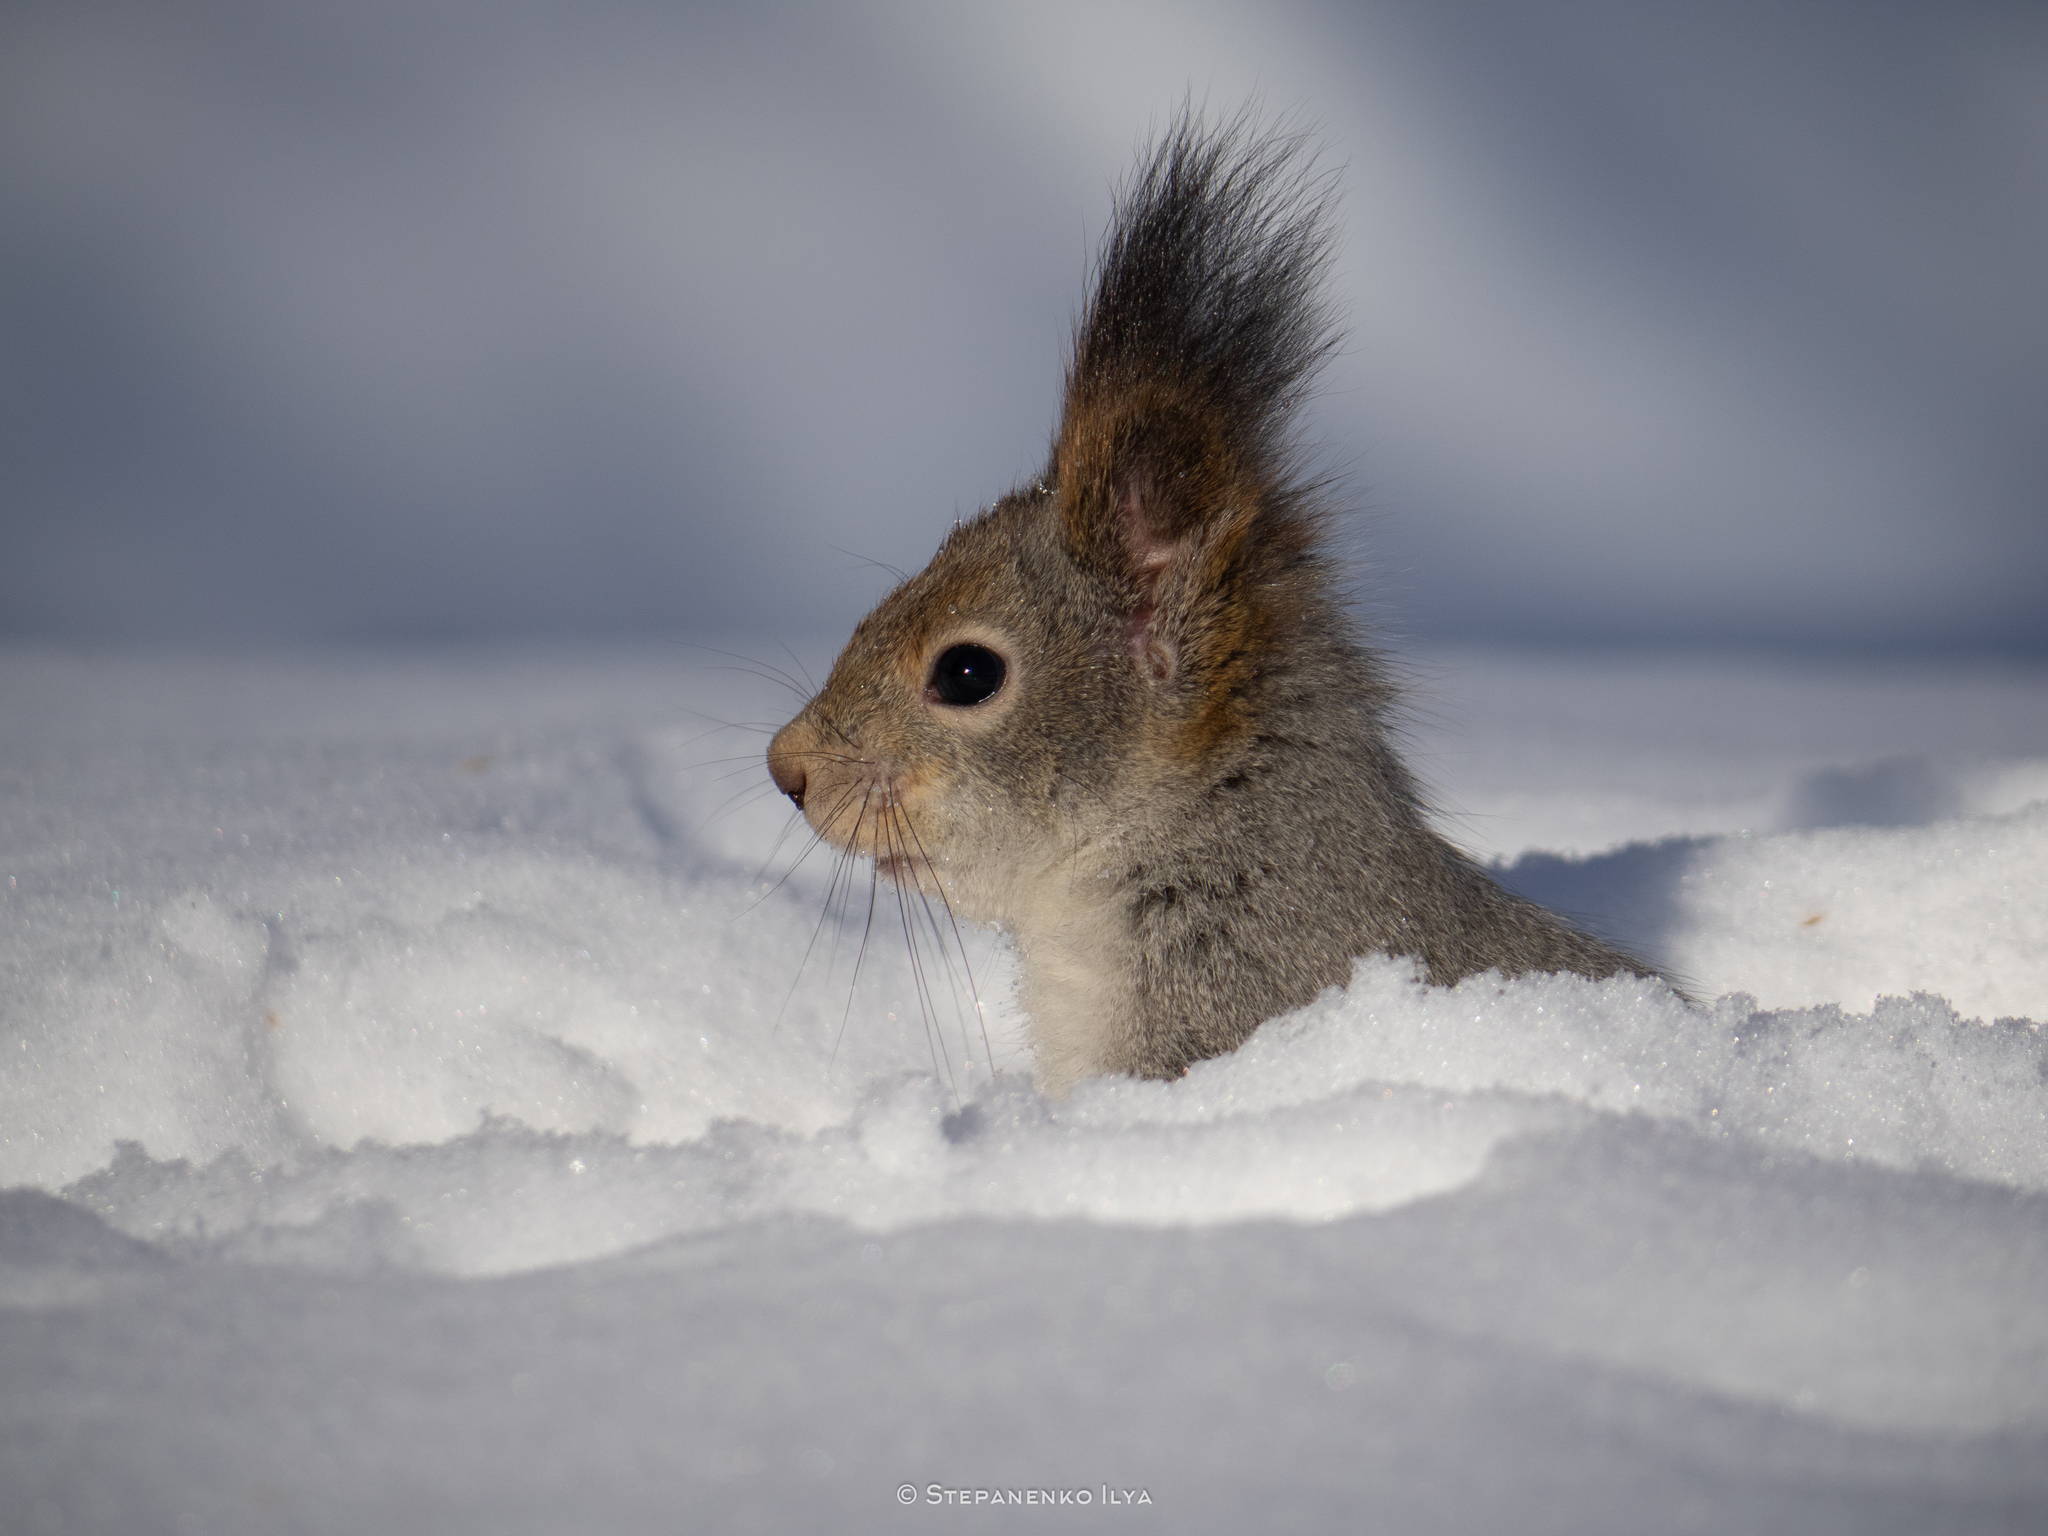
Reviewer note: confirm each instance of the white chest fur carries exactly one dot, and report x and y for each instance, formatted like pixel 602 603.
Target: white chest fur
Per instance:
pixel 1078 981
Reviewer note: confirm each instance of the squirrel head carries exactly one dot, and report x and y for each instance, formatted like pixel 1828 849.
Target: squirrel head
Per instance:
pixel 1098 645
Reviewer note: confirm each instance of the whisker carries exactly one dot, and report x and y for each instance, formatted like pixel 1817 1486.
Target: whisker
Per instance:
pixel 757 727
pixel 753 667
pixel 946 968
pixel 952 921
pixel 839 868
pixel 797 662
pixel 880 565
pixel 840 731
pixel 861 955
pixel 841 891
pixel 744 759
pixel 893 832
pixel 927 1006
pixel 961 1011
pixel 718 725
pixel 794 820
pixel 816 838
pixel 735 801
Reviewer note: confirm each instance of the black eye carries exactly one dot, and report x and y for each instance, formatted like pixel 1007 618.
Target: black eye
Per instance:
pixel 967 674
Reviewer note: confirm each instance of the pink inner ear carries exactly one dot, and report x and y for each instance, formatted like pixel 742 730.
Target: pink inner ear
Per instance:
pixel 1151 556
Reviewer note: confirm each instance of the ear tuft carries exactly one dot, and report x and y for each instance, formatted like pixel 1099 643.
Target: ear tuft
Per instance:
pixel 1203 333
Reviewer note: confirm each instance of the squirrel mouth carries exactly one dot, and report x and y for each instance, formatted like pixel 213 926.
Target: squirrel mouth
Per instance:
pixel 896 867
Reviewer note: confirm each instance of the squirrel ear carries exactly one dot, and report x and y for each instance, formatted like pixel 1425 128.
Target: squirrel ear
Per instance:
pixel 1205 327
pixel 1138 482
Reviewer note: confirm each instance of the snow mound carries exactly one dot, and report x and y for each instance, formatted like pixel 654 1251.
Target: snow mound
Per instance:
pixel 478 1064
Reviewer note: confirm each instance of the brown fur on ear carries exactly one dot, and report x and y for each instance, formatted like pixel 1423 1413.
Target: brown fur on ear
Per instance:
pixel 1148 486
pixel 1174 459
pixel 1153 497
pixel 1140 473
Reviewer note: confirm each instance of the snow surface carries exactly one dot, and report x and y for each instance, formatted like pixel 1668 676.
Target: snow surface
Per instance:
pixel 422 1115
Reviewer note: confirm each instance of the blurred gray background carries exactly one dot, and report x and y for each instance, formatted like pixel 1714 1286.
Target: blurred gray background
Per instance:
pixel 1716 324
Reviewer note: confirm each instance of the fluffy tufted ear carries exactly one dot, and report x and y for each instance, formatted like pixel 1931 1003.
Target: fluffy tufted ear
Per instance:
pixel 1174 447
pixel 1146 481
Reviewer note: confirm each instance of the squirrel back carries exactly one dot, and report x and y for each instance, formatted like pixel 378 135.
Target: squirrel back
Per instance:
pixel 1124 712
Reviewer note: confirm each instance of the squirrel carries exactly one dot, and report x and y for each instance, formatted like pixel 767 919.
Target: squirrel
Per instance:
pixel 1123 713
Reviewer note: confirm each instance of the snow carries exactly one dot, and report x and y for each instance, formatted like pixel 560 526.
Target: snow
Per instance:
pixel 430 1101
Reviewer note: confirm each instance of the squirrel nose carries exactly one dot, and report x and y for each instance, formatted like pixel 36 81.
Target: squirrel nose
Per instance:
pixel 788 773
